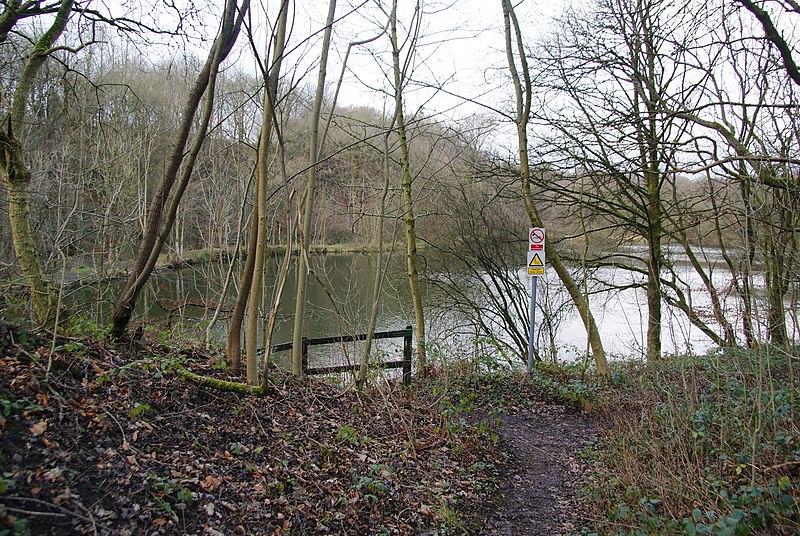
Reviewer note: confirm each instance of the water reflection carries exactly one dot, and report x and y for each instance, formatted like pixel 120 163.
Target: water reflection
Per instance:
pixel 340 298
pixel 339 301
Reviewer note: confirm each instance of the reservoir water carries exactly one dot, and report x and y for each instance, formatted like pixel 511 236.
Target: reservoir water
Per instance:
pixel 340 300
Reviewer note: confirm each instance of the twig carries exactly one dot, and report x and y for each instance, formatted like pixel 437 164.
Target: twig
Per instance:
pixel 64 511
pixel 58 314
pixel 91 517
pixel 780 466
pixel 33 512
pixel 121 431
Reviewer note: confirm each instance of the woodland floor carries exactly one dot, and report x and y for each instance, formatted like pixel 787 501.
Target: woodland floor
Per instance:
pixel 114 442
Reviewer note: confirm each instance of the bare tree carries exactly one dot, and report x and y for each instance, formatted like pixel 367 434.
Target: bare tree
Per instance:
pixel 399 80
pixel 313 164
pixel 164 206
pixel 515 51
pixel 774 36
pixel 256 253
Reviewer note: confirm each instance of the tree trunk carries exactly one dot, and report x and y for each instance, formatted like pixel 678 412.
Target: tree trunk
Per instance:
pixel 646 119
pixel 158 227
pixel 729 335
pixel 15 174
pixel 379 271
pixel 42 293
pixel 277 296
pixel 747 263
pixel 523 112
pixel 775 255
pixel 654 259
pixel 407 198
pixel 308 216
pixel 234 349
pixel 736 271
pixel 262 170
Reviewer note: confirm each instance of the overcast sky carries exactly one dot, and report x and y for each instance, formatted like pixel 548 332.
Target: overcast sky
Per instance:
pixel 461 49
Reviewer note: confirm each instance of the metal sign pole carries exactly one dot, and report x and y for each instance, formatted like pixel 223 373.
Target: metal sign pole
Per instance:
pixel 531 339
pixel 536 259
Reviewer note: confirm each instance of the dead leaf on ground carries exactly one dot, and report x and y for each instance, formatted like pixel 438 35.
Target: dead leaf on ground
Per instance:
pixel 39 428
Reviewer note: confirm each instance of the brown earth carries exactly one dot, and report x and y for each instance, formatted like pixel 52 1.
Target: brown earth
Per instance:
pixel 539 492
pixel 114 442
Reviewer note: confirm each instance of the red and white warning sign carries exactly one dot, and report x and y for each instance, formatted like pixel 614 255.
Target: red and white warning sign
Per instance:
pixel 536 255
pixel 536 239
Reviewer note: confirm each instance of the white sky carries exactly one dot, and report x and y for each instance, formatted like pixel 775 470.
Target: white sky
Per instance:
pixel 461 49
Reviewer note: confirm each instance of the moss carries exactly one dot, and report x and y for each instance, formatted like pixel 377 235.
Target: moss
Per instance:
pixel 222 385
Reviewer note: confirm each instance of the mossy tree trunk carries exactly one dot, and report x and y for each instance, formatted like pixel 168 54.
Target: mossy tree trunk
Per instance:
pixel 523 90
pixel 24 241
pixel 14 172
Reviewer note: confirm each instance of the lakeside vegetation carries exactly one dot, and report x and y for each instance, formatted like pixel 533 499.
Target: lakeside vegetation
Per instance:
pixel 691 445
pixel 700 445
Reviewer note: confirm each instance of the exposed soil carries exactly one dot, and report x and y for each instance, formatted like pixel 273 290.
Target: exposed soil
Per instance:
pixel 539 490
pixel 115 442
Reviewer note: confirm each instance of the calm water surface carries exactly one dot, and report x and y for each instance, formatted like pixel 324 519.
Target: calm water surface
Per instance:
pixel 340 299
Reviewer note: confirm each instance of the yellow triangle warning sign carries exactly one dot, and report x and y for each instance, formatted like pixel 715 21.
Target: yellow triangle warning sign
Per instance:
pixel 536 261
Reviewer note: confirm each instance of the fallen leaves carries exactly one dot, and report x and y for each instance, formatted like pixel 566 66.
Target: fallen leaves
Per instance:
pixel 62 497
pixel 206 462
pixel 39 428
pixel 210 483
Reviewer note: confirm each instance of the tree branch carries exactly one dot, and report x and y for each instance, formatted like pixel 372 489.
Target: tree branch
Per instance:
pixel 771 33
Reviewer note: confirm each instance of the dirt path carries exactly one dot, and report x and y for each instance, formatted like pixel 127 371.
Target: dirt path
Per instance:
pixel 543 443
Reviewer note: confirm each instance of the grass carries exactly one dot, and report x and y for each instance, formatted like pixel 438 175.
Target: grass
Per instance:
pixel 514 389
pixel 706 445
pixel 495 378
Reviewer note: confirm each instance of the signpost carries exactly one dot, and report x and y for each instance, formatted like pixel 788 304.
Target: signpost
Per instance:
pixel 536 260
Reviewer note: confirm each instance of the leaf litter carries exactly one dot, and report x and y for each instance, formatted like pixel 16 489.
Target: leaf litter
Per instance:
pixel 114 442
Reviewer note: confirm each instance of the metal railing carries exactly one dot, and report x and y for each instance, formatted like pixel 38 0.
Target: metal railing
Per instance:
pixel 405 363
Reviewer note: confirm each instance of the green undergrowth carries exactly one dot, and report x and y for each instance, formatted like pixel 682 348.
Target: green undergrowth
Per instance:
pixel 513 388
pixel 701 445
